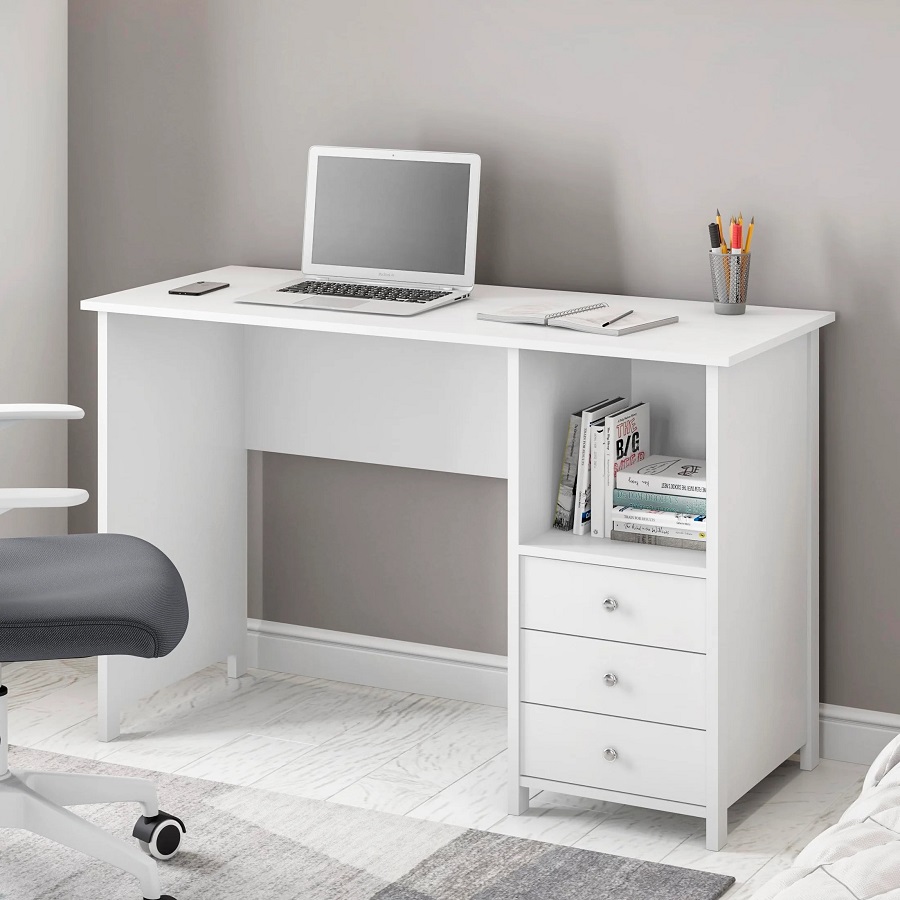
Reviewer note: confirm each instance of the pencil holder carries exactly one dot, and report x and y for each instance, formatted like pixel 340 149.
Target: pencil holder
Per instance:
pixel 730 278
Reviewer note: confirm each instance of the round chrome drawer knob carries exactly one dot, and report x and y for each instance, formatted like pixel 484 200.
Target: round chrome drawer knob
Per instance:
pixel 610 604
pixel 610 755
pixel 610 679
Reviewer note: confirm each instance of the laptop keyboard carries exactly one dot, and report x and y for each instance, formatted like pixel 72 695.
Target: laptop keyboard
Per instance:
pixel 363 291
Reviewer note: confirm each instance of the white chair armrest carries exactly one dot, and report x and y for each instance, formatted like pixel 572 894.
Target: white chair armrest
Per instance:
pixel 22 412
pixel 40 498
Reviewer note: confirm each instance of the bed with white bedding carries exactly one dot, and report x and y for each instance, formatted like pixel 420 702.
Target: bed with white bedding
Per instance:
pixel 859 857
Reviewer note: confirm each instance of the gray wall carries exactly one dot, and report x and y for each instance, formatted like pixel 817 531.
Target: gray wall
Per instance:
pixel 610 132
pixel 33 314
pixel 141 184
pixel 417 551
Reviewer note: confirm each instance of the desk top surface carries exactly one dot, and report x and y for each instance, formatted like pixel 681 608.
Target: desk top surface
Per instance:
pixel 700 337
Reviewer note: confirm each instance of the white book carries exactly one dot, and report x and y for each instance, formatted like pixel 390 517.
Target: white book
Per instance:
pixel 627 439
pixel 583 494
pixel 665 475
pixel 659 530
pixel 598 480
pixel 659 517
pixel 564 516
pixel 580 497
pixel 595 521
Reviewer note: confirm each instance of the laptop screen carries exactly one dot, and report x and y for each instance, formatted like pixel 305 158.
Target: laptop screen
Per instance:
pixel 397 214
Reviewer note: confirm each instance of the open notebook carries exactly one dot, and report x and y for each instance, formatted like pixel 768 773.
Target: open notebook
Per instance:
pixel 579 318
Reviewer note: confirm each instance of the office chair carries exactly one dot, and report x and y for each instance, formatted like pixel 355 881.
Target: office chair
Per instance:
pixel 80 596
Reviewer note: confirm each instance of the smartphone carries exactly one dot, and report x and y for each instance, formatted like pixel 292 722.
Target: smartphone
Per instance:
pixel 200 287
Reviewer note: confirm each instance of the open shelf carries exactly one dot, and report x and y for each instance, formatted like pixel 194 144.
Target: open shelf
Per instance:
pixel 549 387
pixel 556 544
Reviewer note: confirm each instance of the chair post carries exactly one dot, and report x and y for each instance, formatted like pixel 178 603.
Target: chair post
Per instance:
pixel 4 733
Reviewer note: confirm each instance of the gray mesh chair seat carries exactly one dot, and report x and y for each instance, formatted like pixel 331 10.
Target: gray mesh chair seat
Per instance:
pixel 88 595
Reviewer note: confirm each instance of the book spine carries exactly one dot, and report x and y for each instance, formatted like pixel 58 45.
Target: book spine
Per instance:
pixel 598 481
pixel 659 517
pixel 630 537
pixel 663 484
pixel 565 499
pixel 659 530
pixel 609 478
pixel 667 502
pixel 581 518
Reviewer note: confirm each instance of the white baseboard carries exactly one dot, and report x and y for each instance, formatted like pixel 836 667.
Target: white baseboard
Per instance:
pixel 855 735
pixel 378 662
pixel 847 734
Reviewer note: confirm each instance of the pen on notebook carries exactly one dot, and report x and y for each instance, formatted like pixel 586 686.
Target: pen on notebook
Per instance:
pixel 616 319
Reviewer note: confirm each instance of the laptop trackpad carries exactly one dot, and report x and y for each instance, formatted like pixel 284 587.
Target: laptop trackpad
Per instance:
pixel 331 302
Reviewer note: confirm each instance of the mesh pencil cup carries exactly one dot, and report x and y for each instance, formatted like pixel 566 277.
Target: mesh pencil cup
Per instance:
pixel 730 278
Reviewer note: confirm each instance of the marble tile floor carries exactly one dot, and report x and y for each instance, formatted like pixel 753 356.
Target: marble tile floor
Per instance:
pixel 407 754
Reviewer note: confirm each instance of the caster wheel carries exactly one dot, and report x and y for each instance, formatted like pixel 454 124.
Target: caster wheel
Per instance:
pixel 159 836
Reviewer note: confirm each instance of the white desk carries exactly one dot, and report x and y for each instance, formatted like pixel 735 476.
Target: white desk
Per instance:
pixel 716 653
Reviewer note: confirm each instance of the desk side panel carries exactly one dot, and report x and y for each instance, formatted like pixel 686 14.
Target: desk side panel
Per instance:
pixel 173 471
pixel 416 404
pixel 757 446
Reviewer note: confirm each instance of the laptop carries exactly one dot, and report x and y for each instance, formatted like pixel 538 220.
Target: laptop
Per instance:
pixel 386 231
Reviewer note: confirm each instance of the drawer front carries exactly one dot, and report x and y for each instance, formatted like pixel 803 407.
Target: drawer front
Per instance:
pixel 646 608
pixel 652 760
pixel 615 679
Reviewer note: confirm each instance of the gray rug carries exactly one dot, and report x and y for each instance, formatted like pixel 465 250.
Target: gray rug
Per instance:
pixel 247 844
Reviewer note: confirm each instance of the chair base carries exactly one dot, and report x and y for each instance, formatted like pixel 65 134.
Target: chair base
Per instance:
pixel 37 801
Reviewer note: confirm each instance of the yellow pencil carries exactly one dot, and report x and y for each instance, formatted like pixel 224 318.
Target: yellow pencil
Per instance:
pixel 721 232
pixel 749 236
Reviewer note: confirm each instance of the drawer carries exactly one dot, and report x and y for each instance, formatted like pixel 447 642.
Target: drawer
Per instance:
pixel 660 761
pixel 646 608
pixel 638 682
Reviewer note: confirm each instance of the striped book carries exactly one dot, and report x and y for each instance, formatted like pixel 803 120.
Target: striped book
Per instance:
pixel 631 537
pixel 670 502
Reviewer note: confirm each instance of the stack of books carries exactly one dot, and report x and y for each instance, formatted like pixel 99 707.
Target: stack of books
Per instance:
pixel 661 500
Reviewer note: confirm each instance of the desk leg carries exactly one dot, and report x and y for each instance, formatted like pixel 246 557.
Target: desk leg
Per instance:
pixel 716 827
pixel 809 752
pixel 236 664
pixel 173 470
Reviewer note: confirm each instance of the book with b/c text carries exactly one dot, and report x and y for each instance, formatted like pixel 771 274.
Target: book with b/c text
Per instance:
pixel 627 444
pixel 591 318
pixel 665 475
